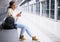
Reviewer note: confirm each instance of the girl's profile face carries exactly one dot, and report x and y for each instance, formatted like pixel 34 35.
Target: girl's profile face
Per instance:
pixel 13 6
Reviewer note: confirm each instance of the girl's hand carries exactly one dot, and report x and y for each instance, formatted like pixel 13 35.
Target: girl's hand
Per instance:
pixel 19 14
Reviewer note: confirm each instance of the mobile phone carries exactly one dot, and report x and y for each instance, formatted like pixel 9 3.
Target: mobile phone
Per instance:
pixel 20 12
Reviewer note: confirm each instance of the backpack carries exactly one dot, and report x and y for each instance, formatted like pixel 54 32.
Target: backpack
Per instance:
pixel 9 23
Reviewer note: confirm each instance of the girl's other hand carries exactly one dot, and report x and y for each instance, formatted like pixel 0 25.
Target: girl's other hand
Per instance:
pixel 18 15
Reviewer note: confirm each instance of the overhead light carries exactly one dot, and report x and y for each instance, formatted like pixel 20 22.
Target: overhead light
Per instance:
pixel 42 0
pixel 24 2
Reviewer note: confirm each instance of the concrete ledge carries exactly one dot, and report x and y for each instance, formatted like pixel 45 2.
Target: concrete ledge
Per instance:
pixel 9 35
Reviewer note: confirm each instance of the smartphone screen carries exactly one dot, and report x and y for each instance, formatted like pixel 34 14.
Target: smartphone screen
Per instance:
pixel 20 12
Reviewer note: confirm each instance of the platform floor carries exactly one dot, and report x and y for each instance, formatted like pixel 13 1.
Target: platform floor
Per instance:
pixel 29 41
pixel 33 22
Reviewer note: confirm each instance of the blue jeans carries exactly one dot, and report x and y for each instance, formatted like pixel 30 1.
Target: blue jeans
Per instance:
pixel 23 29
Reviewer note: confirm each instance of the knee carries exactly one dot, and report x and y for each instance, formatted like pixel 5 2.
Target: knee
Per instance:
pixel 25 27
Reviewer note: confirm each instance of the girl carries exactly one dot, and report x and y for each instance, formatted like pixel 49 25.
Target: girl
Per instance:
pixel 11 12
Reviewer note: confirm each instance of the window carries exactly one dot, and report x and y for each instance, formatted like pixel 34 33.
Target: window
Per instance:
pixel 52 8
pixel 58 10
pixel 48 7
pixel 37 0
pixel 35 8
pixel 29 9
pixel 38 8
pixel 45 8
pixel 32 8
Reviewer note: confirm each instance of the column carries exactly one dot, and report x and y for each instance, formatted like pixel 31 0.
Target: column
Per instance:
pixel 56 10
pixel 40 8
pixel 27 6
pixel 49 8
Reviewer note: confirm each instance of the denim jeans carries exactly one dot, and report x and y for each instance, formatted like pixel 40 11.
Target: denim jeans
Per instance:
pixel 23 29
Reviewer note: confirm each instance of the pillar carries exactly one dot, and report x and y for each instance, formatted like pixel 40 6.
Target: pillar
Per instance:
pixel 56 10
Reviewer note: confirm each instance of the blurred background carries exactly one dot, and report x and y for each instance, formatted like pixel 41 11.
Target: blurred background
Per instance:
pixel 42 16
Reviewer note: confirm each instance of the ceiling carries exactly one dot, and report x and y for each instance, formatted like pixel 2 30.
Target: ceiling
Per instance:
pixel 4 3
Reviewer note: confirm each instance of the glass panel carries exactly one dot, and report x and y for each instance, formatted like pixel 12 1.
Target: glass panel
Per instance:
pixel 45 8
pixel 58 10
pixel 52 8
pixel 38 8
pixel 34 8
pixel 29 9
pixel 37 0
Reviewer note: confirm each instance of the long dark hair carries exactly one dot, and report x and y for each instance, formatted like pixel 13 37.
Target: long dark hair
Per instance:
pixel 11 3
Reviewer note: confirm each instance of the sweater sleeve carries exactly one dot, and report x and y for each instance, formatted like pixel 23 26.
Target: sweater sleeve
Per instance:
pixel 10 12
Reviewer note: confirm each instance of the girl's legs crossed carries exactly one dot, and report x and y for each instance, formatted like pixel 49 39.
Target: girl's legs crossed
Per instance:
pixel 23 29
